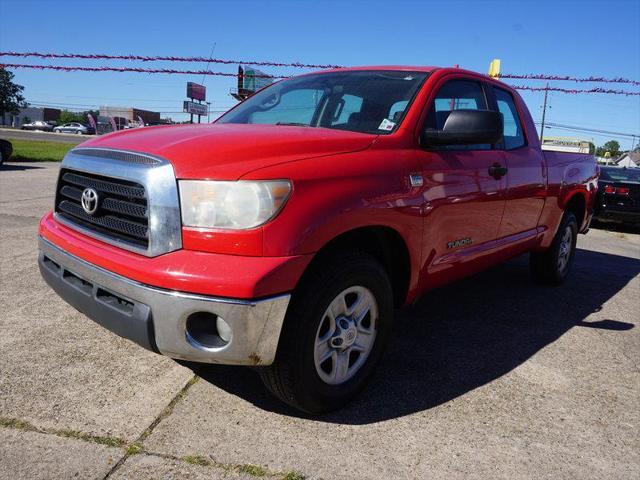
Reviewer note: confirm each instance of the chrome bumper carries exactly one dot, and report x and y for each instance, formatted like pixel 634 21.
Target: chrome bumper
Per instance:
pixel 156 318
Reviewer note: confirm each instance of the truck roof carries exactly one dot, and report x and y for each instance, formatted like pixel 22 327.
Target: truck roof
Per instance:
pixel 418 68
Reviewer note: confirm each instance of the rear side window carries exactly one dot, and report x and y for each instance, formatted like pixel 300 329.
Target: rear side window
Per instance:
pixel 513 134
pixel 456 95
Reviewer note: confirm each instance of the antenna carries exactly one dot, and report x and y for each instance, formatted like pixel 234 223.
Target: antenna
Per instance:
pixel 544 111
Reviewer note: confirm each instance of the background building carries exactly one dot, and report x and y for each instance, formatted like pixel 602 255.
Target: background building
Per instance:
pixel 629 159
pixel 124 115
pixel 30 114
pixel 568 144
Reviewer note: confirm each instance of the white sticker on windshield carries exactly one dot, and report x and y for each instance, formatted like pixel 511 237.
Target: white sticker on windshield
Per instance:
pixel 386 124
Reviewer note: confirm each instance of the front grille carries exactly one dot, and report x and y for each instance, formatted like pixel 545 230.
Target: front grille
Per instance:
pixel 122 211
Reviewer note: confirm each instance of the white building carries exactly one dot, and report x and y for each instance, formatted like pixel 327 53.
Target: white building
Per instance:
pixel 30 114
pixel 629 159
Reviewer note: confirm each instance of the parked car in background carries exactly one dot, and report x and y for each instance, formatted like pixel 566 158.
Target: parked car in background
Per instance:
pixel 618 195
pixel 74 127
pixel 283 235
pixel 6 149
pixel 38 125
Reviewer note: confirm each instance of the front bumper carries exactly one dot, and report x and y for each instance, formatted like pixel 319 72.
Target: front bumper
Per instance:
pixel 156 318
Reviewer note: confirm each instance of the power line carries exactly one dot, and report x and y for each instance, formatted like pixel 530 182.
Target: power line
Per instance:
pixel 222 110
pixel 589 130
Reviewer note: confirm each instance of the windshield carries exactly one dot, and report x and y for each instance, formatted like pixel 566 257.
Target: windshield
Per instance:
pixel 359 101
pixel 620 174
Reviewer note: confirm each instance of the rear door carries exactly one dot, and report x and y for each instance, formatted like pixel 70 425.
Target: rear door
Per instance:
pixel 463 203
pixel 526 185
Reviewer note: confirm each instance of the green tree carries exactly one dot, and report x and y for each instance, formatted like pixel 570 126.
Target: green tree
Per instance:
pixel 612 146
pixel 80 117
pixel 67 117
pixel 11 99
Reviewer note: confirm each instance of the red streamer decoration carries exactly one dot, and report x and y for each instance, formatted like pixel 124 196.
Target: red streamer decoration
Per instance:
pixel 536 76
pixel 225 74
pixel 575 91
pixel 143 58
pixel 128 69
pixel 163 58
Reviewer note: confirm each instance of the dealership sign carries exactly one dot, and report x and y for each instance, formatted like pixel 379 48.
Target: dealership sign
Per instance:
pixel 196 91
pixel 194 108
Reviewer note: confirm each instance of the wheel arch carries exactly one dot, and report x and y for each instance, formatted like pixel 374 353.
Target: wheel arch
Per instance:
pixel 577 204
pixel 383 243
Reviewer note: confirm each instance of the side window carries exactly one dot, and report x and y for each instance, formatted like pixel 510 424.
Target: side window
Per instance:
pixel 352 104
pixel 513 134
pixel 456 95
pixel 397 110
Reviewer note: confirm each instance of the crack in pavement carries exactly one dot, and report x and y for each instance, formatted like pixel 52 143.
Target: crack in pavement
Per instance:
pixel 166 411
pixel 137 448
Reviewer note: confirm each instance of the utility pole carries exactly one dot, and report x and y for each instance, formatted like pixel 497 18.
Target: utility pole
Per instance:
pixel 544 111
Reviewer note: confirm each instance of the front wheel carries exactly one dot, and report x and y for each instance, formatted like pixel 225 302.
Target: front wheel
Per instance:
pixel 336 327
pixel 552 266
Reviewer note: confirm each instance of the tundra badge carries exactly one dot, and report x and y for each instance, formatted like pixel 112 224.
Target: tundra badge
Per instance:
pixel 463 242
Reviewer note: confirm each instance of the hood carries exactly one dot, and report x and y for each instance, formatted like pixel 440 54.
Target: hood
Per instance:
pixel 229 151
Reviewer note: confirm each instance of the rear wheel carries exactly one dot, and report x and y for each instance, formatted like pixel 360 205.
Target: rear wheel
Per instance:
pixel 334 334
pixel 552 266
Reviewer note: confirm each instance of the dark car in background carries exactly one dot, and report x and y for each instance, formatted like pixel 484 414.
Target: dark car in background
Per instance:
pixel 38 125
pixel 618 195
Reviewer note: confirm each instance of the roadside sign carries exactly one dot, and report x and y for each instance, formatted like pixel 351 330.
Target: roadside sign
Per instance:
pixel 196 91
pixel 194 108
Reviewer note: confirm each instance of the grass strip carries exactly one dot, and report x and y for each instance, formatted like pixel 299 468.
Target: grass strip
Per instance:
pixel 39 150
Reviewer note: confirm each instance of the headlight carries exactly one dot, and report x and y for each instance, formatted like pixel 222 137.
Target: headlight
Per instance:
pixel 235 205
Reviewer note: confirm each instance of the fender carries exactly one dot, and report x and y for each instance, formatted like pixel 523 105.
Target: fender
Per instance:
pixel 566 180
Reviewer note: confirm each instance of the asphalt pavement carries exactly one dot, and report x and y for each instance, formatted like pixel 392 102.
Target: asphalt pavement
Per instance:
pixel 490 377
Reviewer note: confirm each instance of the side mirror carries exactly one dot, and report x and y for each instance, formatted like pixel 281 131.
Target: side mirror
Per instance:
pixel 466 127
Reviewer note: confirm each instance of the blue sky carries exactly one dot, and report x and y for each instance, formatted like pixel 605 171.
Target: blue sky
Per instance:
pixel 584 38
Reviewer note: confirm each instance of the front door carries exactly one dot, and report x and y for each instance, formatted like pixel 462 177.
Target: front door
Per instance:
pixel 526 183
pixel 463 202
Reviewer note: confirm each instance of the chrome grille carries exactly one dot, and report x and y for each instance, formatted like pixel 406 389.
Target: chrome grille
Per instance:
pixel 122 206
pixel 138 206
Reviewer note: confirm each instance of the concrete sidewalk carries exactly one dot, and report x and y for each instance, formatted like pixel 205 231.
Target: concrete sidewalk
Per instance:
pixel 491 377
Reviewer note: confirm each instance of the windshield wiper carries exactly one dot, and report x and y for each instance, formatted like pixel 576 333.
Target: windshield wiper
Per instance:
pixel 293 124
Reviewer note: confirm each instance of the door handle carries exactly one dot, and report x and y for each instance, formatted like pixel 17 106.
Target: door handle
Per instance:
pixel 497 171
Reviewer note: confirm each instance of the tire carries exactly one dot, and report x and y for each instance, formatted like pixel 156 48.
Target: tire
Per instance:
pixel 298 376
pixel 552 266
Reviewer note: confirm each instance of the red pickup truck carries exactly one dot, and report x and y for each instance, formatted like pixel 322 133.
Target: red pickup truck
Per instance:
pixel 283 235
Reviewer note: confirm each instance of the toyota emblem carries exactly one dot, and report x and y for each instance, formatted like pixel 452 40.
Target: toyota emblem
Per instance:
pixel 89 200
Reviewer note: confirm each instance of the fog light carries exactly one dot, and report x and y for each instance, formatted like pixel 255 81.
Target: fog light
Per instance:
pixel 205 330
pixel 224 330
